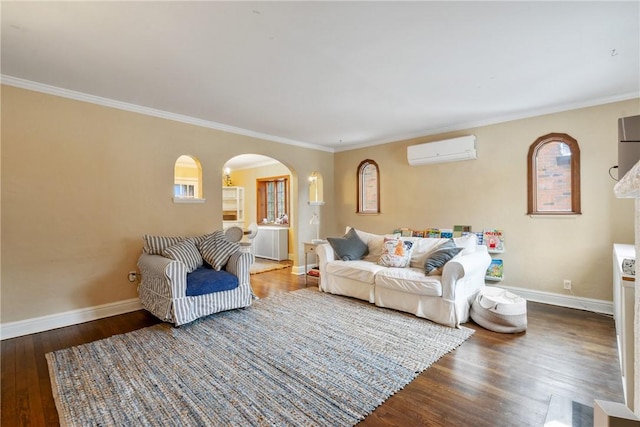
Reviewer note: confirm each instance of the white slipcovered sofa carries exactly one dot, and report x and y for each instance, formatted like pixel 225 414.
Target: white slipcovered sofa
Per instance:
pixel 444 296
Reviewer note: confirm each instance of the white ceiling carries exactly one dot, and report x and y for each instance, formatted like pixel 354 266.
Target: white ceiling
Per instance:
pixel 330 75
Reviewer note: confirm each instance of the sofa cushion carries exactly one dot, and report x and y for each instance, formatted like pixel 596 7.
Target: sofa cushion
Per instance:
pixel 217 250
pixel 409 280
pixel 186 252
pixel 396 252
pixel 363 271
pixel 468 243
pixel 349 247
pixel 441 256
pixel 374 243
pixel 205 281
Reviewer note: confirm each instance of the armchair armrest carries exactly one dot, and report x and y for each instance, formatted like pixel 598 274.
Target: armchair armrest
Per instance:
pixel 164 276
pixel 469 267
pixel 239 264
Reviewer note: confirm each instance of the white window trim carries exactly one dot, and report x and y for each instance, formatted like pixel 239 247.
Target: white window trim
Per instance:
pixel 188 181
pixel 188 200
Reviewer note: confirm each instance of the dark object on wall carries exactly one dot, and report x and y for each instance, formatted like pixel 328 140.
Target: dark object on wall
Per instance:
pixel 628 144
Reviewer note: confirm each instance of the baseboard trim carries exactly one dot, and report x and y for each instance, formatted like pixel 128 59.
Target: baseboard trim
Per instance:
pixel 74 317
pixel 569 301
pixel 68 318
pixel 299 269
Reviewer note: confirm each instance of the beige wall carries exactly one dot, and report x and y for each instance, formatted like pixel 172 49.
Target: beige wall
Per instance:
pixel 81 184
pixel 491 192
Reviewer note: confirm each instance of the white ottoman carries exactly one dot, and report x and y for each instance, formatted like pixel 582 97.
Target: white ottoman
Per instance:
pixel 499 310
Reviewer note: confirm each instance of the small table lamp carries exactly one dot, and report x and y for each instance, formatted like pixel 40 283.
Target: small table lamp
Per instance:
pixel 315 220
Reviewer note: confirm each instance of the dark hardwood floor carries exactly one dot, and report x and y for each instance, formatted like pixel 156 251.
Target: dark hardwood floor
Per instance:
pixel 491 380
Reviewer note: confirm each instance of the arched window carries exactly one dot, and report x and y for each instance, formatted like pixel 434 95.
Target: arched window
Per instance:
pixel 553 166
pixel 368 187
pixel 187 180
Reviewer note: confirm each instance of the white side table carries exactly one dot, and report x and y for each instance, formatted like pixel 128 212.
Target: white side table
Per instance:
pixel 309 248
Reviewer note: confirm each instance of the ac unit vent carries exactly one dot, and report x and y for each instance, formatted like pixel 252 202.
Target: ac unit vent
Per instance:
pixel 448 150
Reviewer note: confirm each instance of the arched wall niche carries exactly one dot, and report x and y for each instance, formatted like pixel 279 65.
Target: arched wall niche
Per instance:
pixel 187 180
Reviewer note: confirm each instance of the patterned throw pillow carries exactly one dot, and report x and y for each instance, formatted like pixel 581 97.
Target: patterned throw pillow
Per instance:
pixel 186 252
pixel 438 258
pixel 396 252
pixel 201 238
pixel 217 251
pixel 154 245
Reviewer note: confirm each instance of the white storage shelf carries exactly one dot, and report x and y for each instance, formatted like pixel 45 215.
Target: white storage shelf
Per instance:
pixel 232 207
pixel 272 242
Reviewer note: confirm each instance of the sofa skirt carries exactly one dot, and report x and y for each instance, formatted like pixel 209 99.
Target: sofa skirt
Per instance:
pixel 435 309
pixel 347 287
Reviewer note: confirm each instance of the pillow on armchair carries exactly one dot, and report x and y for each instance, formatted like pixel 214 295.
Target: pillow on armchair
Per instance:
pixel 154 245
pixel 217 250
pixel 186 252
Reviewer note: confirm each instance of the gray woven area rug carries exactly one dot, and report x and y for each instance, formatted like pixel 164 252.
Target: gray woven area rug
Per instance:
pixel 302 358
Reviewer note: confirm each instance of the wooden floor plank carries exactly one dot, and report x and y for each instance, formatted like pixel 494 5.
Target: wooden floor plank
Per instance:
pixel 8 386
pixel 491 380
pixel 42 346
pixel 27 402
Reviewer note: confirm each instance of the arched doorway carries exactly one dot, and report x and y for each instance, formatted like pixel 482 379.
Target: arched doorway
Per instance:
pixel 269 200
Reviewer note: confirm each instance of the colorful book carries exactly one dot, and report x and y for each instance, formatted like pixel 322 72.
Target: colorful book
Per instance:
pixel 403 232
pixel 406 232
pixel 446 233
pixel 493 240
pixel 432 232
pixel 495 270
pixel 418 233
pixel 479 235
pixel 460 230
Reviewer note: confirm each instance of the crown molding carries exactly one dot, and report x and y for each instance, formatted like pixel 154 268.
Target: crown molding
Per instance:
pixel 495 120
pixel 106 102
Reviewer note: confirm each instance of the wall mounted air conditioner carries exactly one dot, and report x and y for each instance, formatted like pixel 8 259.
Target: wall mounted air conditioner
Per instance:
pixel 448 150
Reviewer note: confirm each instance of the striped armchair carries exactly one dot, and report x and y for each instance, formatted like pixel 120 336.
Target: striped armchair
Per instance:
pixel 172 293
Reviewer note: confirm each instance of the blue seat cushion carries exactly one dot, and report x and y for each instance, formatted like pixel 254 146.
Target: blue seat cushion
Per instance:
pixel 205 280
